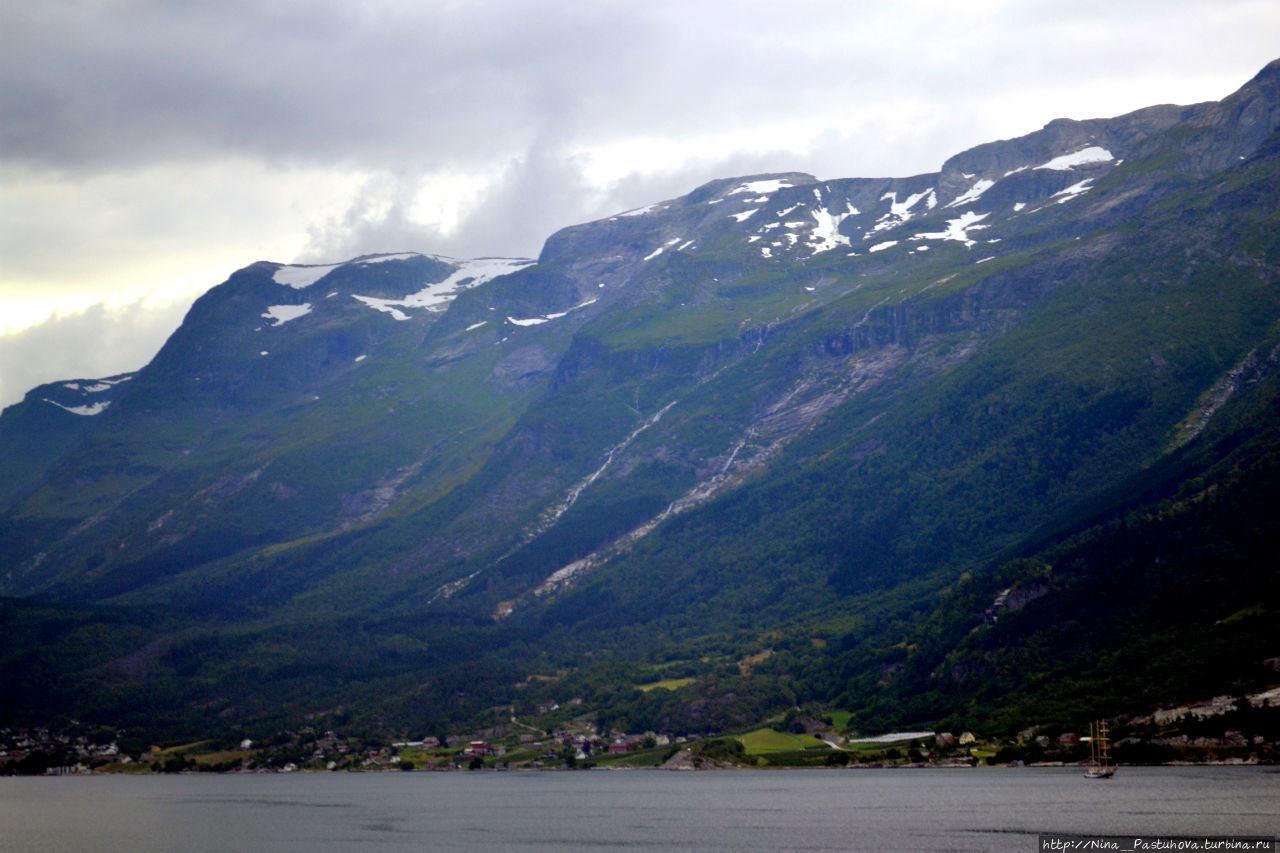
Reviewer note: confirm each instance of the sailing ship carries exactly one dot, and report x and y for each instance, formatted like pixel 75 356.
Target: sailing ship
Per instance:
pixel 1100 766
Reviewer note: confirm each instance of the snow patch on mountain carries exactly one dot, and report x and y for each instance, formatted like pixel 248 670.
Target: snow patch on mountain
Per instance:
pixel 639 211
pixel 538 321
pixel 402 256
pixel 826 235
pixel 770 185
pixel 1073 190
pixel 744 215
pixel 973 193
pixel 89 410
pixel 957 229
pixel 387 306
pixel 1083 157
pixel 281 314
pixel 300 277
pixel 435 296
pixel 901 211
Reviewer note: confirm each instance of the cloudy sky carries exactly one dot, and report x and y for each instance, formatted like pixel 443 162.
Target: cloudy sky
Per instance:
pixel 150 147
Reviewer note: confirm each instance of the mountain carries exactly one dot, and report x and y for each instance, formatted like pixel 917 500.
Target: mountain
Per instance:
pixel 788 441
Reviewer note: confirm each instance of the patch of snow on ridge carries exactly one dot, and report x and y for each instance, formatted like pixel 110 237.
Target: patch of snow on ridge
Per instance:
pixel 741 217
pixel 434 296
pixel 973 193
pixel 403 256
pixel 91 409
pixel 1073 190
pixel 98 385
pixel 879 247
pixel 957 228
pixel 281 314
pixel 639 211
pixel 1083 157
pixel 766 186
pixel 537 321
pixel 299 277
pixel 899 211
pixel 385 305
pixel 826 234
pixel 469 274
pixel 901 208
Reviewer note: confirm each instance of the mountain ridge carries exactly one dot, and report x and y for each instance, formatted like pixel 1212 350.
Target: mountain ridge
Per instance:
pixel 773 404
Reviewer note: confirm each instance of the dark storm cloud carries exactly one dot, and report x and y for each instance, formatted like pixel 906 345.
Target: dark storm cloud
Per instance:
pixel 102 84
pixel 99 85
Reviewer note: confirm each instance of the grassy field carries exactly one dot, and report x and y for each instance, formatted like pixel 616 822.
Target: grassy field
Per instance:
pixel 840 719
pixel 666 684
pixel 763 741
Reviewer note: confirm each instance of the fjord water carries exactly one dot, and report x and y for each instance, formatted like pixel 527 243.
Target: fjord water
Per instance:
pixel 916 810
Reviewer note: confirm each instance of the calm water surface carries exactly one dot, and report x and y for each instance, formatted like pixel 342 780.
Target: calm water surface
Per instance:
pixel 919 810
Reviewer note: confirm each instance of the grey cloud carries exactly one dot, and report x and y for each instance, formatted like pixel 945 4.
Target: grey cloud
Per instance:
pixel 105 85
pixel 535 195
pixel 122 83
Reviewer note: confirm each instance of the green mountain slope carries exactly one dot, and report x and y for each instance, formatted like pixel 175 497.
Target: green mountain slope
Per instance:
pixel 779 436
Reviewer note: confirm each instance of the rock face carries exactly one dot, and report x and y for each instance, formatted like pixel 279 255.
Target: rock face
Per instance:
pixel 716 413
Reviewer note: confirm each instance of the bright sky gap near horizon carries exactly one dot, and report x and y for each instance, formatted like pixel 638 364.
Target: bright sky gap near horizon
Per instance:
pixel 148 149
